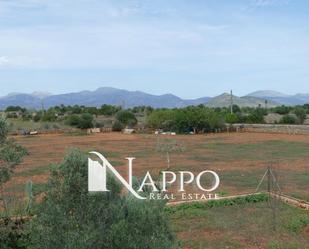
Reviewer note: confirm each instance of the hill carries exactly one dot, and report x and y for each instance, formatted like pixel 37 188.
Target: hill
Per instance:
pixel 284 99
pixel 128 99
pixel 224 100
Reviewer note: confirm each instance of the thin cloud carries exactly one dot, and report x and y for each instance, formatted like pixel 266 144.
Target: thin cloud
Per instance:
pixel 4 60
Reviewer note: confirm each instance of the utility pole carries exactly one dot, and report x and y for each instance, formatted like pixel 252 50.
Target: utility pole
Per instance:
pixel 231 102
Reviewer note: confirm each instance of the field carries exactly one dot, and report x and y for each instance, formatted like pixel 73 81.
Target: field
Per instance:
pixel 240 159
pixel 249 225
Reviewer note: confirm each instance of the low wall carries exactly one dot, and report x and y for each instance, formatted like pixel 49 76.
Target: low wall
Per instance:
pixel 273 128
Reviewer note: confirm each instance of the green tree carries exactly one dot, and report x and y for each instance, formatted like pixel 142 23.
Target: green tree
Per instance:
pixel 117 126
pixel 50 115
pixel 86 121
pixel 300 112
pixel 127 118
pixel 231 118
pixel 4 130
pixel 71 217
pixel 288 119
pixel 37 117
pixel 73 120
pixel 282 109
pixel 109 110
pixel 83 121
pixel 161 119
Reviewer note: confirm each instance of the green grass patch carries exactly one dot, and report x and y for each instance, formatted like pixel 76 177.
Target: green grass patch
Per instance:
pixel 242 223
pixel 219 203
pixel 268 150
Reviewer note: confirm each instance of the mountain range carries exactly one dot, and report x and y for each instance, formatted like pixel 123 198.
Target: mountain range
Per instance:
pixel 114 96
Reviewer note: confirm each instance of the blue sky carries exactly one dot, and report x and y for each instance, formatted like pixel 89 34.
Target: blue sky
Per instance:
pixel 190 48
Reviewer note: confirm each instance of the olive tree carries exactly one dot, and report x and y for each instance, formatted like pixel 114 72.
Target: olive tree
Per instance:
pixel 71 217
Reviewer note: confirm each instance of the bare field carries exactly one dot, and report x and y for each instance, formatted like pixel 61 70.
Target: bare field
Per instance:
pixel 240 159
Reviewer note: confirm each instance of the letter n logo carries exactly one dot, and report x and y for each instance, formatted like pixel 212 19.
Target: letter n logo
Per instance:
pixel 96 176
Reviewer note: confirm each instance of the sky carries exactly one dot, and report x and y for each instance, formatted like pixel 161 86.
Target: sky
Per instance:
pixel 191 48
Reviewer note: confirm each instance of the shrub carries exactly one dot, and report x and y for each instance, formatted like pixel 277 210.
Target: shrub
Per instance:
pixel 282 109
pixel 300 113
pixel 37 117
pixel 73 120
pixel 117 126
pixel 297 224
pixel 49 116
pixel 231 118
pixel 85 121
pixel 98 124
pixel 288 119
pixel 4 129
pixel 127 118
pixel 71 217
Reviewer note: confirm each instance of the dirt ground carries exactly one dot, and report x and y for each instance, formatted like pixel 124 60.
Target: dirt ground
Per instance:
pixel 240 159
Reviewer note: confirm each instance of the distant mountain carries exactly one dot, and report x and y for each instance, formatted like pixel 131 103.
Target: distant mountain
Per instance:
pixel 198 101
pixel 41 94
pixel 21 99
pixel 114 96
pixel 103 95
pixel 283 99
pixel 224 100
pixel 267 93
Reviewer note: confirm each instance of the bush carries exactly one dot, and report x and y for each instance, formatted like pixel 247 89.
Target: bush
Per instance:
pixel 297 224
pixel 71 217
pixel 231 118
pixel 117 126
pixel 127 118
pixel 282 109
pixel 192 118
pixel 13 235
pixel 4 129
pixel 49 116
pixel 37 117
pixel 86 121
pixel 300 114
pixel 73 120
pixel 288 119
pixel 109 110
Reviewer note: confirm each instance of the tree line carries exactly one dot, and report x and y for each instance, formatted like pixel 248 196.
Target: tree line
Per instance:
pixel 187 119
